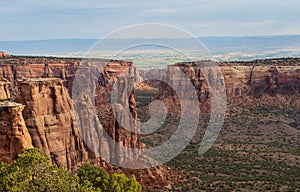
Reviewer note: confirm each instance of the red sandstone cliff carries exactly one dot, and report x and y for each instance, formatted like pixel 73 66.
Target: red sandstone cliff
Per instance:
pixel 116 125
pixel 14 136
pixel 50 120
pixel 240 80
pixel 49 111
pixel 4 89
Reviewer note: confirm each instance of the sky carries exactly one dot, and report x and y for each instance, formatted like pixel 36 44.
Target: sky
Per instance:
pixel 66 19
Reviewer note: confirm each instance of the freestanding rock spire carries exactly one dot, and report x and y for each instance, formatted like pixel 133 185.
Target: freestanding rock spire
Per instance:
pixel 14 136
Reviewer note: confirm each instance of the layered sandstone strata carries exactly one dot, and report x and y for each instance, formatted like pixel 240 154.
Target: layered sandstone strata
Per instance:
pixel 240 80
pixel 50 119
pixel 262 80
pixel 44 104
pixel 49 112
pixel 14 68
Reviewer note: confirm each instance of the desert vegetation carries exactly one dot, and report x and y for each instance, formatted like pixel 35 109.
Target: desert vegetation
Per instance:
pixel 32 171
pixel 258 149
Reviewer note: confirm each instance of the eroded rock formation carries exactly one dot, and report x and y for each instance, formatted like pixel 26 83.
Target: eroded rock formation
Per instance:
pixel 49 112
pixel 14 68
pixel 4 54
pixel 14 136
pixel 118 125
pixel 14 71
pixel 50 119
pixel 4 89
pixel 262 80
pixel 240 80
pixel 48 105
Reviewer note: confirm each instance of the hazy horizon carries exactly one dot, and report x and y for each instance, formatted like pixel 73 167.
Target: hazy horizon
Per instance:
pixel 198 37
pixel 222 48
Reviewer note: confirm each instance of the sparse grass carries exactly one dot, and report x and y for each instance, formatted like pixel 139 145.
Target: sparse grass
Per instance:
pixel 255 151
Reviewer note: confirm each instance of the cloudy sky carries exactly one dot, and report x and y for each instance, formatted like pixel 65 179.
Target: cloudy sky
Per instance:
pixel 59 19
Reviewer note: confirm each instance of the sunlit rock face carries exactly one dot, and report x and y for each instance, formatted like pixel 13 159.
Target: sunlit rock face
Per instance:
pixel 241 79
pixel 14 135
pixel 50 119
pixel 4 54
pixel 4 89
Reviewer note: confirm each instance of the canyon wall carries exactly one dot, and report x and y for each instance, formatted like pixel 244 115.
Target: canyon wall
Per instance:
pixel 48 104
pixel 50 120
pixel 14 68
pixel 45 116
pixel 41 85
pixel 240 80
pixel 100 115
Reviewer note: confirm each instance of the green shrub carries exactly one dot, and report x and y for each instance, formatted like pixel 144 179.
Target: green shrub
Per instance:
pixel 32 171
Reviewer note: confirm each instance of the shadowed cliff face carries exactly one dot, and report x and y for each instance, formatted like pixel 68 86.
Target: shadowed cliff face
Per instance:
pixel 99 123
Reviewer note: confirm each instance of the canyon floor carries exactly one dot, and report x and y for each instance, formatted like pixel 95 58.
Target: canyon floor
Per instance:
pixel 258 149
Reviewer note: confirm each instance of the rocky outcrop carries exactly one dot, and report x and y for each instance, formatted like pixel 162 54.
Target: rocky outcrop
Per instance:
pixel 4 54
pixel 15 67
pixel 14 136
pixel 258 81
pixel 43 105
pixel 47 71
pixel 52 123
pixel 50 119
pixel 4 89
pixel 13 72
pixel 118 118
pixel 49 112
pixel 125 122
pixel 240 81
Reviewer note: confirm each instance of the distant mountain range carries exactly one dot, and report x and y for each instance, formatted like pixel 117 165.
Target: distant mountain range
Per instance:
pixel 216 45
